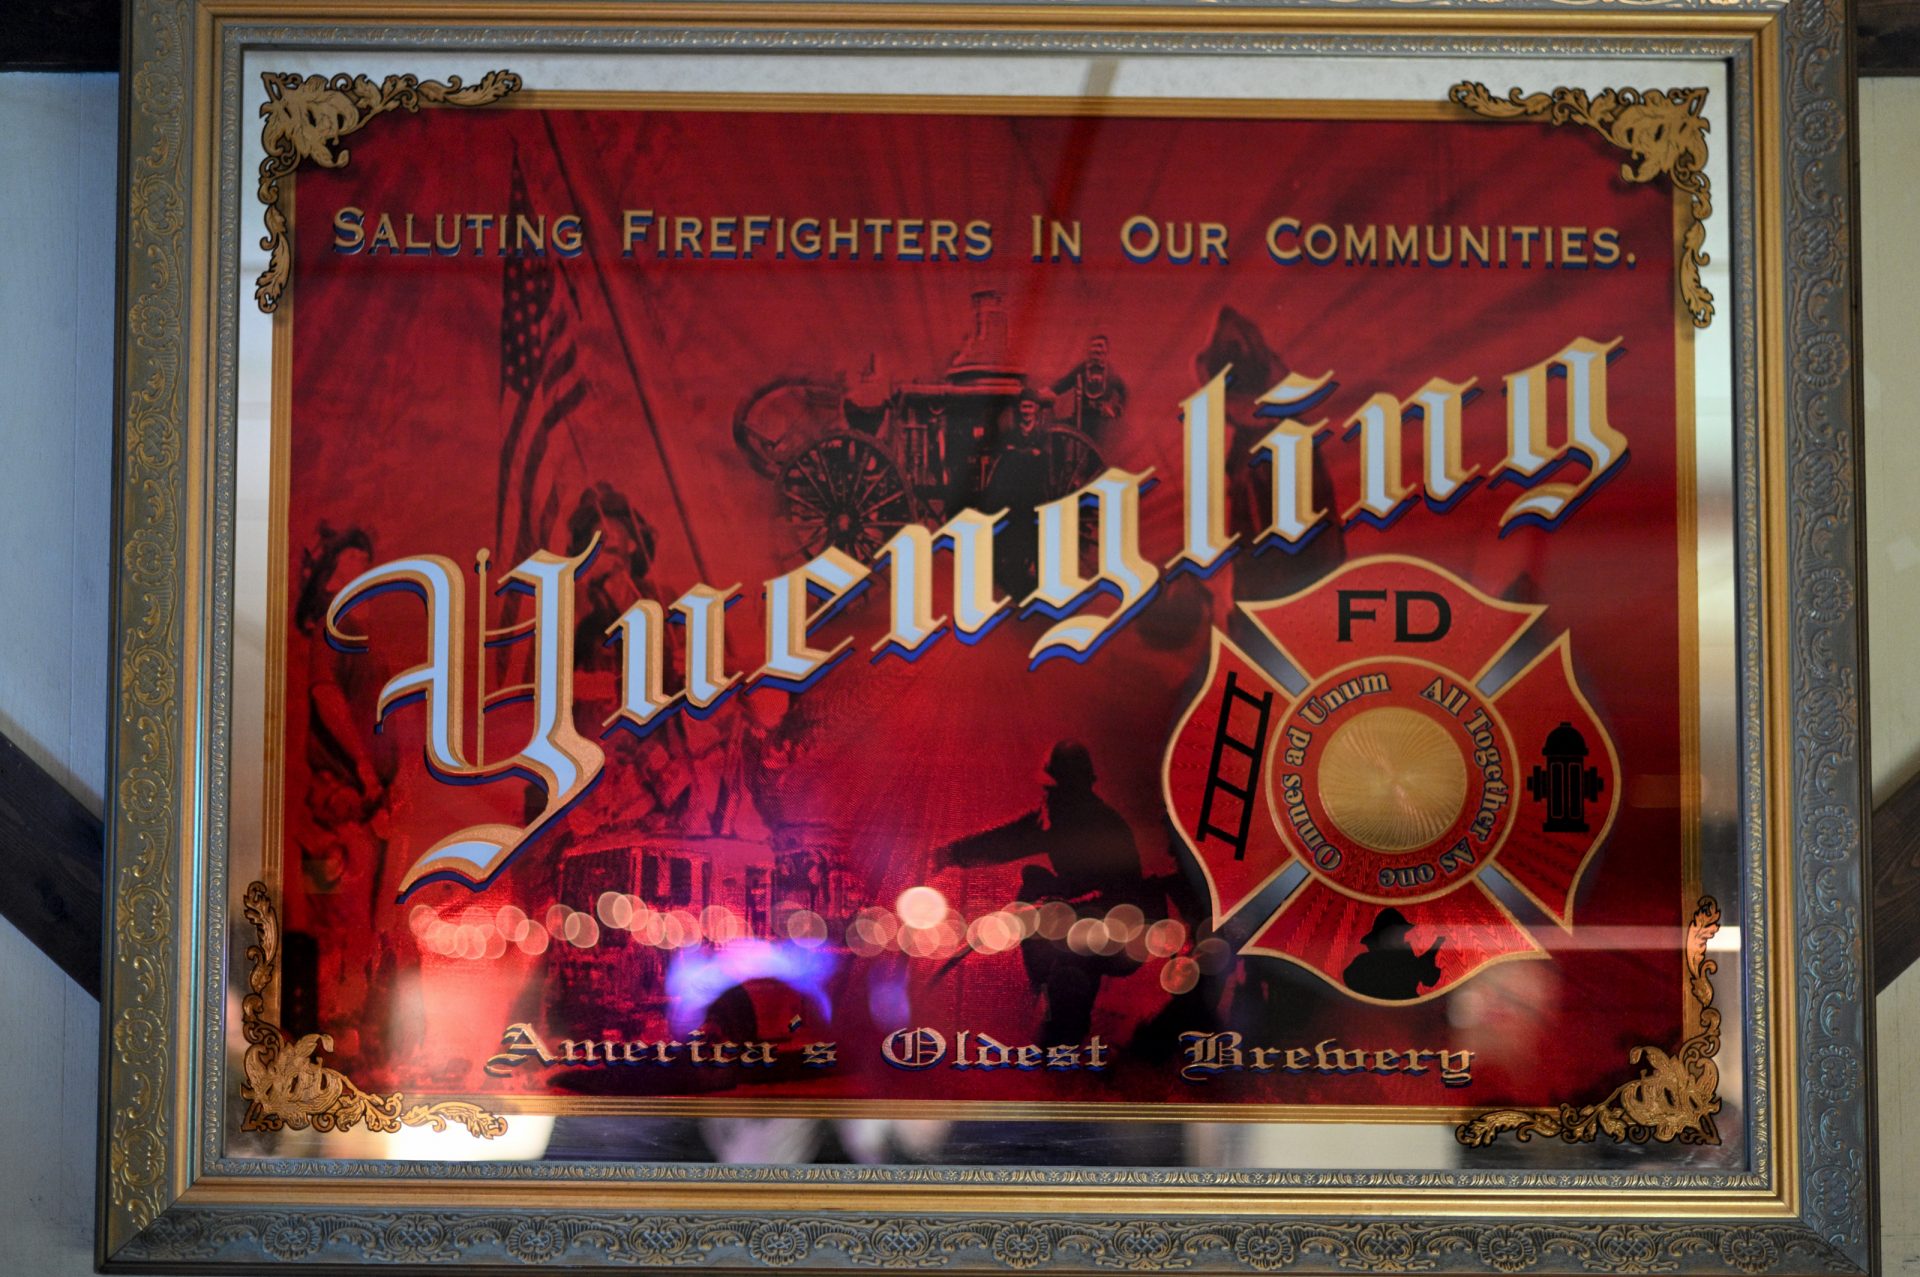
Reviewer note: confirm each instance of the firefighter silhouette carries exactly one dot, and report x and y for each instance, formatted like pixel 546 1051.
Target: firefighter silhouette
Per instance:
pixel 1238 345
pixel 678 774
pixel 1095 865
pixel 1387 966
pixel 1092 392
pixel 1018 485
pixel 1566 783
pixel 619 573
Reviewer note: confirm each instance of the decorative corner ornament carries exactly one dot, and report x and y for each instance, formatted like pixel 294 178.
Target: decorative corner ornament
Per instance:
pixel 1664 133
pixel 288 1087
pixel 306 118
pixel 1674 1098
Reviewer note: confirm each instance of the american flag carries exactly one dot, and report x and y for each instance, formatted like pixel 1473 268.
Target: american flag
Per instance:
pixel 539 311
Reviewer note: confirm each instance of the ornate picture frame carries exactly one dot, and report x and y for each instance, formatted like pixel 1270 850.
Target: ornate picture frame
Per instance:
pixel 241 1128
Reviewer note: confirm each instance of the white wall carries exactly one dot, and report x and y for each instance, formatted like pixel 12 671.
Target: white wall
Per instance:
pixel 1890 246
pixel 57 208
pixel 57 159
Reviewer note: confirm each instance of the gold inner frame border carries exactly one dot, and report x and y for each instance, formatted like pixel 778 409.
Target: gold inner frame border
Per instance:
pixel 525 99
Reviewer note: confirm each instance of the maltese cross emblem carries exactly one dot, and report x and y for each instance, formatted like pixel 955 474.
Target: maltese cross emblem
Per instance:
pixel 1360 803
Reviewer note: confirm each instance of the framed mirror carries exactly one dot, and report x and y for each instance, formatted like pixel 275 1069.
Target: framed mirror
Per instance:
pixel 1217 637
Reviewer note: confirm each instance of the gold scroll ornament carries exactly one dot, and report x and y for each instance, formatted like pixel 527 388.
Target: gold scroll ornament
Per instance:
pixel 306 117
pixel 288 1087
pixel 1674 1098
pixel 1664 134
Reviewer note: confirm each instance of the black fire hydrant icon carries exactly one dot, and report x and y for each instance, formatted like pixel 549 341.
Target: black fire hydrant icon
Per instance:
pixel 1566 783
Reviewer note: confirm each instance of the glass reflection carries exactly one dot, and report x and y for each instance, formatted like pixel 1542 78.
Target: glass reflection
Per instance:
pixel 1030 934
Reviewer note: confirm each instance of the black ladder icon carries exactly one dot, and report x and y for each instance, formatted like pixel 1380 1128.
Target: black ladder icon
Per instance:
pixel 1253 749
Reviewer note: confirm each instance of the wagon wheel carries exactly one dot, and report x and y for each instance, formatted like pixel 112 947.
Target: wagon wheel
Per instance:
pixel 844 491
pixel 1073 460
pixel 785 414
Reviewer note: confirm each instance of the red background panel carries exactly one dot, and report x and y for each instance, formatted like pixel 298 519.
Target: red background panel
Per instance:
pixel 399 420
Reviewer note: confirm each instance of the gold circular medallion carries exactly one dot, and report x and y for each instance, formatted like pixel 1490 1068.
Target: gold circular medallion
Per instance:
pixel 1391 779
